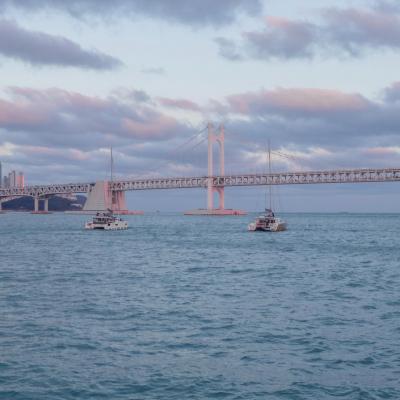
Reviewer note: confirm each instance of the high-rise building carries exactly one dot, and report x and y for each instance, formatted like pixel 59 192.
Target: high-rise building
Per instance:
pixel 12 179
pixel 20 180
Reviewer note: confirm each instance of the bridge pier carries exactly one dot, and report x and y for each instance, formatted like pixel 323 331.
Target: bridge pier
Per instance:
pixel 102 197
pixel 221 194
pixel 36 205
pixel 118 202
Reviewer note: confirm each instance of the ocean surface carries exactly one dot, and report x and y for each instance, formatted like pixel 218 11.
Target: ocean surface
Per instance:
pixel 198 308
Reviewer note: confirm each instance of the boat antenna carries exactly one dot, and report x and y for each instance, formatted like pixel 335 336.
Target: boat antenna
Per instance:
pixel 269 172
pixel 111 164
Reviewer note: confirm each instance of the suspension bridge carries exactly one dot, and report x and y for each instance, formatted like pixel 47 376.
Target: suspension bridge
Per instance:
pixel 110 194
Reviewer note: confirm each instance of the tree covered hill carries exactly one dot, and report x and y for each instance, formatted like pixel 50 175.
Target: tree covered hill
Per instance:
pixel 56 203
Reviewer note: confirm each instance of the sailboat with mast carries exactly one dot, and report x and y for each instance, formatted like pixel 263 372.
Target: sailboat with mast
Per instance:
pixel 268 222
pixel 107 220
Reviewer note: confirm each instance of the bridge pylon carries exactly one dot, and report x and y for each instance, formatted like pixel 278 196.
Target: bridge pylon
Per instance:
pixel 219 138
pixel 215 137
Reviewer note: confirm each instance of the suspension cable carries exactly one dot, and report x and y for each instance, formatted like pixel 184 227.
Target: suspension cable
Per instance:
pixel 178 149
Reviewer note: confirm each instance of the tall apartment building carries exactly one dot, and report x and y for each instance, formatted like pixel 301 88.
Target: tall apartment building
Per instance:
pixel 15 179
pixel 12 179
pixel 20 182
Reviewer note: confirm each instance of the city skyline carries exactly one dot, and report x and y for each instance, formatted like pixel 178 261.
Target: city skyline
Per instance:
pixel 145 78
pixel 12 179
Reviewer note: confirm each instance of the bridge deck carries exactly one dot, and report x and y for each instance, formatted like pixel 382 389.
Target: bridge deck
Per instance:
pixel 281 178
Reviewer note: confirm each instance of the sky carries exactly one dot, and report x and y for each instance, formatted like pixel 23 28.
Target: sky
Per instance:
pixel 318 79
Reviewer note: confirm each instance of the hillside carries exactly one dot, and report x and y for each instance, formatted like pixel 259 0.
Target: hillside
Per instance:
pixel 55 204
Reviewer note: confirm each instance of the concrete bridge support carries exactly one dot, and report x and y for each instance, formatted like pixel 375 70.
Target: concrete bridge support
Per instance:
pixel 102 198
pixel 36 204
pixel 118 202
pixel 98 198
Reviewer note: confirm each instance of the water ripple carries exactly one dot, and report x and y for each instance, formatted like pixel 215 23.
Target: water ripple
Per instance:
pixel 197 308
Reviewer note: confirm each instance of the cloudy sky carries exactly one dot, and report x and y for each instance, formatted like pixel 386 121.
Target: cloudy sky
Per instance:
pixel 319 79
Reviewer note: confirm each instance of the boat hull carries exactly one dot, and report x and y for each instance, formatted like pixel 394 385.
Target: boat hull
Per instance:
pixel 114 226
pixel 278 226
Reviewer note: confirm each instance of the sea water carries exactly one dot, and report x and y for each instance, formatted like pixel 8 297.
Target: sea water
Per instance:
pixel 198 308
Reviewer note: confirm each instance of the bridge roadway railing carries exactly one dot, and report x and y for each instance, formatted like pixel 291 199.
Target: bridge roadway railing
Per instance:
pixel 46 190
pixel 311 177
pixel 281 178
pixel 160 183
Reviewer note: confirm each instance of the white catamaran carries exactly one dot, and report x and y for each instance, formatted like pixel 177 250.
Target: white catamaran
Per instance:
pixel 268 222
pixel 107 220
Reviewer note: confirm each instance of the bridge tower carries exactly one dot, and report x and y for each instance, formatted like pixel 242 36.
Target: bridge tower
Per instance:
pixel 215 137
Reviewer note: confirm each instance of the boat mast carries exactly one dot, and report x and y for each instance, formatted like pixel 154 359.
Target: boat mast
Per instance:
pixel 111 164
pixel 269 172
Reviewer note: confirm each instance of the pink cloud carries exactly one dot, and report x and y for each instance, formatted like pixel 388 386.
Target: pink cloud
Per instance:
pixel 70 154
pixel 157 128
pixel 182 104
pixel 20 114
pixel 56 97
pixel 59 113
pixel 308 101
pixel 382 151
pixel 280 22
